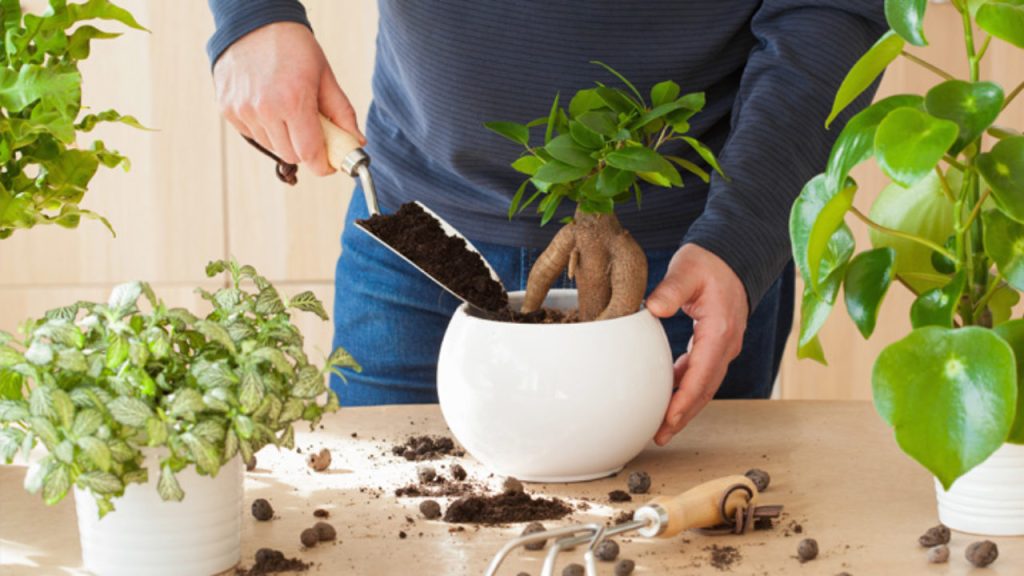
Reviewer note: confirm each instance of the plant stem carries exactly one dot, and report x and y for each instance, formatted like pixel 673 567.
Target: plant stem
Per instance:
pixel 936 278
pixel 983 301
pixel 1013 95
pixel 927 65
pixel 972 59
pixel 977 208
pixel 945 186
pixel 900 234
pixel 954 162
pixel 984 47
pixel 907 286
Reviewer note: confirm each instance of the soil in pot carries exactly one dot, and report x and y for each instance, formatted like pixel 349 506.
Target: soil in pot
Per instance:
pixel 420 238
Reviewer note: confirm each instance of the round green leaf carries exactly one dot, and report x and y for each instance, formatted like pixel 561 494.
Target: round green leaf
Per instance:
pixel 584 136
pixel 868 68
pixel 816 306
pixel 1003 170
pixel 664 92
pixel 909 144
pixel 856 143
pixel 936 306
pixel 816 215
pixel 555 172
pixel 637 159
pixel 564 149
pixel 972 106
pixel 950 395
pixel 922 210
pixel 518 133
pixel 1004 244
pixel 1003 19
pixel 1013 333
pixel 906 18
pixel 868 277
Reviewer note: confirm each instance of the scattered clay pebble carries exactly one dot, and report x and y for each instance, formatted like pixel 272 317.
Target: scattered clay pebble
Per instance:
pixel 619 496
pixel 325 531
pixel 426 473
pixel 402 535
pixel 607 551
pixel 982 553
pixel 458 472
pixel 420 448
pixel 309 537
pixel 939 554
pixel 430 509
pixel 321 513
pixel 639 482
pixel 320 461
pixel 624 567
pixel 573 570
pixel 270 561
pixel 533 528
pixel 251 464
pixel 760 478
pixel 262 510
pixel 934 536
pixel 512 486
pixel 266 555
pixel 807 550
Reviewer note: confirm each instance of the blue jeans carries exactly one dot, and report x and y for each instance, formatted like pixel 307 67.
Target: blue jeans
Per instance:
pixel 392 319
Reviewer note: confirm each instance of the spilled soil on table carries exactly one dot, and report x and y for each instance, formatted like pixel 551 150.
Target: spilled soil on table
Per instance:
pixel 505 508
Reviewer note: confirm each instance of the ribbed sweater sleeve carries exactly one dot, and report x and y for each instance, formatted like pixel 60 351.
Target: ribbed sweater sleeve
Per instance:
pixel 236 18
pixel 778 140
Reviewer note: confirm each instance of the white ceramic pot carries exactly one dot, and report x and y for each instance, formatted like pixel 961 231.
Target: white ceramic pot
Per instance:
pixel 145 536
pixel 554 402
pixel 989 499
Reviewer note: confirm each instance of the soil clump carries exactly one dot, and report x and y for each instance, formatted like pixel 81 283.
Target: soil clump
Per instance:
pixel 505 508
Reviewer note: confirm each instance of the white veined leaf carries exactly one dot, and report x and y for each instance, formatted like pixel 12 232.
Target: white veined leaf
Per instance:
pixel 251 393
pixel 100 482
pixel 9 356
pixel 130 411
pixel 41 402
pixel 39 353
pixel 230 445
pixel 308 302
pixel 72 360
pixel 156 432
pixel 10 441
pixel 310 383
pixel 65 452
pixel 212 431
pixel 168 486
pixel 186 403
pixel 213 374
pixel 87 421
pixel 56 484
pixel 268 302
pixel 61 332
pixel 124 296
pixel 37 473
pixel 203 454
pixel 96 451
pixel 63 407
pixel 276 358
pixel 216 333
pixel 121 451
pixel 291 412
pixel 13 411
pixel 45 430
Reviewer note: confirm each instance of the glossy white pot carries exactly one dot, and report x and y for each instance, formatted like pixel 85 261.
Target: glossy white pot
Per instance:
pixel 145 536
pixel 554 402
pixel 989 499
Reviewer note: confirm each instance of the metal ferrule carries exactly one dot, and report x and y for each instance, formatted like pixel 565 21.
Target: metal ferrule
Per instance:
pixel 654 517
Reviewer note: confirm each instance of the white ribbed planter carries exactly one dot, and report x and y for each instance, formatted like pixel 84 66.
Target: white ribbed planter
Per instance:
pixel 145 536
pixel 989 499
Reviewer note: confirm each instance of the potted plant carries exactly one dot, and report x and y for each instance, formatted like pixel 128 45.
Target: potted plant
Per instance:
pixel 510 401
pixel 153 412
pixel 950 229
pixel 46 172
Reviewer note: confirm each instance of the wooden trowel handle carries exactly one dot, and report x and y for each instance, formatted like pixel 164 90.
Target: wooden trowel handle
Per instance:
pixel 701 506
pixel 339 143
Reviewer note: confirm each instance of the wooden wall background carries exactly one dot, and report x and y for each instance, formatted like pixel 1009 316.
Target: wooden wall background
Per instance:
pixel 197 192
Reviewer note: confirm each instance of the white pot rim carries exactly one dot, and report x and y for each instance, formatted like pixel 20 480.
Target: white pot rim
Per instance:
pixel 518 295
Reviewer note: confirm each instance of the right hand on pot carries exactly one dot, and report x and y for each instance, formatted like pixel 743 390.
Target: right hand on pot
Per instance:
pixel 270 85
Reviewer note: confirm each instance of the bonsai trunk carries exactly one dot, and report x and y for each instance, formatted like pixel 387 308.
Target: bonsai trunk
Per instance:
pixel 608 265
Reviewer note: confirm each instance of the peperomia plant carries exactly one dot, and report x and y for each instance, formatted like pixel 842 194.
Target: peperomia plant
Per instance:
pixel 44 172
pixel 595 153
pixel 98 382
pixel 950 228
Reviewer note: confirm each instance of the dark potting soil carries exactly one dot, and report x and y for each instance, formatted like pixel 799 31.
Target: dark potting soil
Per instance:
pixel 619 496
pixel 437 489
pixel 419 448
pixel 723 557
pixel 505 508
pixel 269 561
pixel 542 316
pixel 418 236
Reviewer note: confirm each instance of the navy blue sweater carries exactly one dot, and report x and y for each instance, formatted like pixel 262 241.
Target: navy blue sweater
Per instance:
pixel 444 67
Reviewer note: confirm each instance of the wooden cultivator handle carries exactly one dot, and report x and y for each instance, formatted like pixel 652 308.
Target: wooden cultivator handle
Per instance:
pixel 339 144
pixel 709 504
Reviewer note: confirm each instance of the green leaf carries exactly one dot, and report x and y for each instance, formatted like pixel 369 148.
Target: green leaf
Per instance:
pixel 117 352
pixel 167 486
pixel 691 167
pixel 45 430
pixel 100 482
pixel 308 302
pixel 528 165
pixel 584 101
pixel 865 71
pixel 13 411
pixel 1013 333
pixel 56 485
pixel 552 120
pixel 9 357
pixel 656 113
pixel 124 296
pixel 64 451
pixel 96 451
pixel 664 92
pixel 856 143
pixel 909 144
pixel 949 394
pixel 340 358
pixel 203 453
pixel 251 392
pixel 922 210
pixel 1003 19
pixel 38 473
pixel 10 441
pixel 515 132
pixel 21 87
pixel 63 407
pixel 617 100
pixel 584 136
pixel 104 10
pixel 555 172
pixel 275 357
pixel 906 18
pixel 611 182
pixel 972 106
pixel 186 403
pixel 41 402
pixel 564 149
pixel 868 277
pixel 310 383
pixel 816 215
pixel 600 121
pixel 636 159
pixel 216 333
pixel 615 73
pixel 1003 170
pixel 817 305
pixel 937 306
pixel 1002 303
pixel 1004 244
pixel 706 154
pixel 517 199
pixel 130 411
pixel 80 40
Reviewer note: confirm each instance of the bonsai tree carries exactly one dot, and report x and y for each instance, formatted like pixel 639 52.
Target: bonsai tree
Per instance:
pixel 45 172
pixel 950 228
pixel 97 382
pixel 595 154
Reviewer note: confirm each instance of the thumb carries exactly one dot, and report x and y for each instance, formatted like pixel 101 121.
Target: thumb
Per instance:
pixel 335 105
pixel 675 291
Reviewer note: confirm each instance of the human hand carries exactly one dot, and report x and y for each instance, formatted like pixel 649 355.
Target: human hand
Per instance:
pixel 708 291
pixel 270 85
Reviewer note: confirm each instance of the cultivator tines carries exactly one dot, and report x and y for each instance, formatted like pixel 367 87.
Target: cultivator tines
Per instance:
pixel 726 505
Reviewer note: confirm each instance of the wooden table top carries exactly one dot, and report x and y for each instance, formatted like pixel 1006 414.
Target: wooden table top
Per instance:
pixel 834 465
